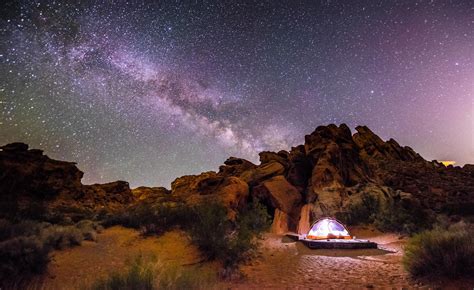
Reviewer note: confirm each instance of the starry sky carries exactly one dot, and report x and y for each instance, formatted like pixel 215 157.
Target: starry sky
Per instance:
pixel 148 92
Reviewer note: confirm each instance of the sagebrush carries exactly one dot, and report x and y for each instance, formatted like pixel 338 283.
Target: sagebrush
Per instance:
pixel 150 274
pixel 25 246
pixel 441 252
pixel 208 226
pixel 391 216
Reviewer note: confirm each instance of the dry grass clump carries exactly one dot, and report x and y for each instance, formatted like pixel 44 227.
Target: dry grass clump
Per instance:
pixel 441 252
pixel 149 275
pixel 25 246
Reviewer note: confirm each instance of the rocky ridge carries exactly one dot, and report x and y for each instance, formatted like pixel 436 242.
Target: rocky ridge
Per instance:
pixel 331 171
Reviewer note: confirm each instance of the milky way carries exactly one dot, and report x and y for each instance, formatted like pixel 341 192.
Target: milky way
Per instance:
pixel 149 92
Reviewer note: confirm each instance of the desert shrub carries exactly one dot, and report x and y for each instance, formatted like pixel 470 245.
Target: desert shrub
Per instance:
pixel 139 276
pixel 21 258
pixel 441 252
pixel 387 217
pixel 151 219
pixel 25 245
pixel 207 224
pixel 69 215
pixel 255 218
pixel 89 229
pixel 210 230
pixel 61 237
pixel 363 212
pixel 251 222
pixel 228 242
pixel 403 219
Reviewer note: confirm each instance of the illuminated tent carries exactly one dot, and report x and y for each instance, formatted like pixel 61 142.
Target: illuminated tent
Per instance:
pixel 328 228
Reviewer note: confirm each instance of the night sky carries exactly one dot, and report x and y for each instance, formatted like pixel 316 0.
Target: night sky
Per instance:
pixel 149 92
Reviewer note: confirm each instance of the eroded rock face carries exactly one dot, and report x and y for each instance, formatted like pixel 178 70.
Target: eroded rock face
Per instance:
pixel 431 184
pixel 30 173
pixel 30 177
pixel 212 187
pixel 299 168
pixel 150 194
pixel 281 223
pixel 325 176
pixel 280 157
pixel 305 222
pixel 116 193
pixel 195 184
pixel 236 166
pixel 336 162
pixel 371 145
pixel 279 194
pixel 262 172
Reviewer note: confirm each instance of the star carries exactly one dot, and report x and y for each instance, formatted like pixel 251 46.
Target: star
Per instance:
pixel 147 93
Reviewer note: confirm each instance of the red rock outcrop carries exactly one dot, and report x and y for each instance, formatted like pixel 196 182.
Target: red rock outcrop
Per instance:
pixel 279 194
pixel 326 175
pixel 212 187
pixel 30 173
pixel 29 177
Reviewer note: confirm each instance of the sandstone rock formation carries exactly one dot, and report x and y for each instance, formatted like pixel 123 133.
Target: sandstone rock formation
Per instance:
pixel 279 194
pixel 332 171
pixel 212 187
pixel 28 177
pixel 30 173
pixel 150 194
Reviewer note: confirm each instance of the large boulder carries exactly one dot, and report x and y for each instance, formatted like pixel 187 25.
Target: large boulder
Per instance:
pixel 268 156
pixel 150 194
pixel 191 184
pixel 235 166
pixel 281 222
pixel 278 193
pixel 208 187
pixel 306 219
pixel 262 172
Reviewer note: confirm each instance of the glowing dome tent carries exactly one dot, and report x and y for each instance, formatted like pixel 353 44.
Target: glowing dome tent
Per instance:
pixel 328 228
pixel 329 233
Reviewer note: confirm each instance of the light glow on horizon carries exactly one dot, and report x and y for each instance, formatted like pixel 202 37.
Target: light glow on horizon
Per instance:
pixel 448 162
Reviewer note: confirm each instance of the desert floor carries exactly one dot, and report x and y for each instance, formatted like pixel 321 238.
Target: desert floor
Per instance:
pixel 116 247
pixel 281 263
pixel 286 264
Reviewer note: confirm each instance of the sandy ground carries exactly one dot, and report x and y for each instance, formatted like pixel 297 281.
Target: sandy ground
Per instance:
pixel 281 263
pixel 80 266
pixel 285 264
